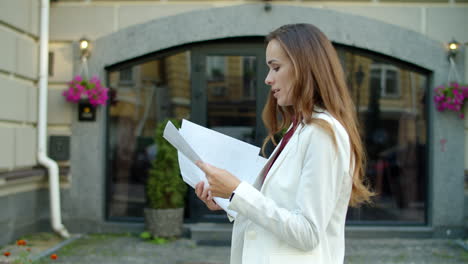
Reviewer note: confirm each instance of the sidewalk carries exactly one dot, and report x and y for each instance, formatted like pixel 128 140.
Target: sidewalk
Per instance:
pixel 408 251
pixel 126 248
pixel 120 249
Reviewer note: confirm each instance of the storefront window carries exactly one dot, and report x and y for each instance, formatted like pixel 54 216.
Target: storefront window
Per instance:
pixel 231 96
pixel 389 96
pixel 390 99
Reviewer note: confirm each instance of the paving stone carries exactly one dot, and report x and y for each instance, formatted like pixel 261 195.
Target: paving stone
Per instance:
pixel 130 249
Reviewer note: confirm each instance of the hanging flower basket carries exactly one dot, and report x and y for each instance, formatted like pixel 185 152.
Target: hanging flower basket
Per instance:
pixel 451 97
pixel 92 90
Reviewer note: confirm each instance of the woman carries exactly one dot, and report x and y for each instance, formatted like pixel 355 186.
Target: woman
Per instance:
pixel 295 211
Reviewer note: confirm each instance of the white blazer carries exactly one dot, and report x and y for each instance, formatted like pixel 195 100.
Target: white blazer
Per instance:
pixel 298 214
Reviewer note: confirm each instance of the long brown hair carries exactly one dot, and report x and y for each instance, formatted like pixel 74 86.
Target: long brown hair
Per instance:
pixel 319 81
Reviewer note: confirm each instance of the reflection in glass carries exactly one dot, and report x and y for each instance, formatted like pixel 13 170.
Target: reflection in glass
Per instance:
pixel 231 85
pixel 391 106
pixel 146 93
pixel 389 98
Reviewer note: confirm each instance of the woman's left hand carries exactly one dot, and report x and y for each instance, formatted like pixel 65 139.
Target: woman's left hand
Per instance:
pixel 222 183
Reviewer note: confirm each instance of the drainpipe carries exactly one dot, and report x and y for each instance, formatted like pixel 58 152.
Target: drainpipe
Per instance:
pixel 43 159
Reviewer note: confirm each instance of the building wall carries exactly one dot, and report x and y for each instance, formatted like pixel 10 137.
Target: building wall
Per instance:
pixel 23 187
pixel 18 86
pixel 71 20
pixel 18 78
pixel 438 19
pixel 19 35
pixel 445 216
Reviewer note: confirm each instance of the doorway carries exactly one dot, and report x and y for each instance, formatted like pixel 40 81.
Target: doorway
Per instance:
pixel 228 95
pixel 220 85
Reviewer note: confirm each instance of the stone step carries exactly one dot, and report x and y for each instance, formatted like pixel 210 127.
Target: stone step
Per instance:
pixel 211 233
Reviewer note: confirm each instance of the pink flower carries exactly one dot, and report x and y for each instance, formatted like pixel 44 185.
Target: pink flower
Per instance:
pixel 451 97
pixel 93 89
pixel 78 78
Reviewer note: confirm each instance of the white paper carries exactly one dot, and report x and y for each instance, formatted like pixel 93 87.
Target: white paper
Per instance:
pixel 200 143
pixel 172 135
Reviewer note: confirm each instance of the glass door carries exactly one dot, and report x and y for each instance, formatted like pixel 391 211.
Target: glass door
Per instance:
pixel 143 94
pixel 228 96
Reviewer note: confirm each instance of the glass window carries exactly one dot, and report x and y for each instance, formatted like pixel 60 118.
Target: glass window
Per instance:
pixel 145 94
pixel 390 99
pixel 231 99
pixel 126 76
pixel 215 68
pixel 249 76
pixel 385 77
pixel 390 87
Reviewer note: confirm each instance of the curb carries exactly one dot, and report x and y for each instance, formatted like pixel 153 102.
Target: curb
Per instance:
pixel 51 250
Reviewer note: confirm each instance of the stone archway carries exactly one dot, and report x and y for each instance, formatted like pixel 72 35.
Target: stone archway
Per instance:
pixel 253 20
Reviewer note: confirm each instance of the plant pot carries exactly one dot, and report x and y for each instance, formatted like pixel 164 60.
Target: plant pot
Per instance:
pixel 164 222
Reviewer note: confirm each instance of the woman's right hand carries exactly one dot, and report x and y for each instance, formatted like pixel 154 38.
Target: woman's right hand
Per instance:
pixel 204 194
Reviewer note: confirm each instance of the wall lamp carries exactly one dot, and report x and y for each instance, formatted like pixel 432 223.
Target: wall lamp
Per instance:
pixel 453 48
pixel 85 47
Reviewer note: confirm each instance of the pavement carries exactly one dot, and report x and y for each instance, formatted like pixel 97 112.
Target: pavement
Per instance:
pixel 120 249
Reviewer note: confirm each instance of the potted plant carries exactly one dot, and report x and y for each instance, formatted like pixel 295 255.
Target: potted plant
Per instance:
pixel 80 88
pixel 88 94
pixel 451 97
pixel 165 189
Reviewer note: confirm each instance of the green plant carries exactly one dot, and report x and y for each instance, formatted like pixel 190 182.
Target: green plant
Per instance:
pixel 154 240
pixel 159 240
pixel 145 235
pixel 165 188
pixel 451 97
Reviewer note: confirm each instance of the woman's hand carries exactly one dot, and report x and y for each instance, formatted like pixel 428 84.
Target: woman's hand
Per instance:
pixel 205 195
pixel 222 183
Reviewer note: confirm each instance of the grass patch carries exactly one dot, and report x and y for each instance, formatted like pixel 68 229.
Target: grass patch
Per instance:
pixel 401 257
pixel 146 236
pixel 82 243
pixel 24 248
pixel 464 256
pixel 94 243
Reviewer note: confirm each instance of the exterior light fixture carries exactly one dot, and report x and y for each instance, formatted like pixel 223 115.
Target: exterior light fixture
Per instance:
pixel 454 47
pixel 85 47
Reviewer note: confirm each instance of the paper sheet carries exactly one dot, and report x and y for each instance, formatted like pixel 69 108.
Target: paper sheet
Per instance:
pixel 172 135
pixel 195 142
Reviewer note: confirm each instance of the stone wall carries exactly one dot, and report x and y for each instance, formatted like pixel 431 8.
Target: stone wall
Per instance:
pixel 445 163
pixel 18 83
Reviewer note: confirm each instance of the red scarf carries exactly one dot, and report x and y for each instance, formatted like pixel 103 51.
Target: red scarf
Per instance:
pixel 285 141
